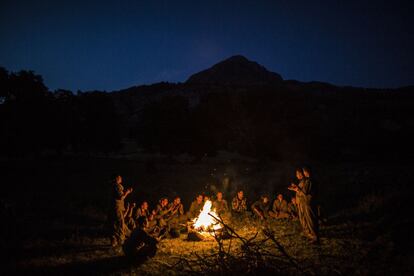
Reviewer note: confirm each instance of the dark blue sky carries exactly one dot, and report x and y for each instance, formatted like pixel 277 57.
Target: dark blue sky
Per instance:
pixel 112 45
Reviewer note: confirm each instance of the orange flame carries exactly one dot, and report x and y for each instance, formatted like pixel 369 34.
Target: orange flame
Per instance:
pixel 204 222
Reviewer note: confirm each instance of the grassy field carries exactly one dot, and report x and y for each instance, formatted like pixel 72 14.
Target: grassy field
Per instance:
pixel 55 214
pixel 340 252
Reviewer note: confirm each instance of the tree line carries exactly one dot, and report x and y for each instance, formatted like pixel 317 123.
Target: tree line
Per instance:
pixel 35 120
pixel 307 121
pixel 279 123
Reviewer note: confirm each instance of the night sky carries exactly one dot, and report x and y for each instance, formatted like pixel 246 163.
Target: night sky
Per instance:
pixel 107 46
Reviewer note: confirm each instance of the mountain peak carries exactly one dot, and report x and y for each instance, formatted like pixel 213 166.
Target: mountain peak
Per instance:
pixel 236 70
pixel 237 58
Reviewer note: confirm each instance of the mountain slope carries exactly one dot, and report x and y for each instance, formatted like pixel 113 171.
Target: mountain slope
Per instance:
pixel 236 70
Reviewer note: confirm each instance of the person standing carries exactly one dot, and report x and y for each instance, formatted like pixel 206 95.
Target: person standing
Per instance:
pixel 306 204
pixel 119 227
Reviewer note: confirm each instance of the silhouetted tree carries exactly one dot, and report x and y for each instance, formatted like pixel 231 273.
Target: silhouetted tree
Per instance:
pixel 165 126
pixel 34 120
pixel 96 123
pixel 25 113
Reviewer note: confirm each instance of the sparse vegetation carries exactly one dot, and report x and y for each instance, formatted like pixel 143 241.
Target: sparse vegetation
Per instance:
pixel 70 237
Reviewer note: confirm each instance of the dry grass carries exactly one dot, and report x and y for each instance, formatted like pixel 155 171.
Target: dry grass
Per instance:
pixel 340 251
pixel 57 232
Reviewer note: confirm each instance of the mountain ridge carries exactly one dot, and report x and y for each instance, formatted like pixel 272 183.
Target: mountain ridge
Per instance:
pixel 238 70
pixel 235 70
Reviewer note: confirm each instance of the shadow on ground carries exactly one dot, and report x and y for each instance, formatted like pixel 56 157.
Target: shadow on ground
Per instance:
pixel 103 266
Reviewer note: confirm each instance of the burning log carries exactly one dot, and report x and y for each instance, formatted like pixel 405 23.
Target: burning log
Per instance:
pixel 195 236
pixel 205 225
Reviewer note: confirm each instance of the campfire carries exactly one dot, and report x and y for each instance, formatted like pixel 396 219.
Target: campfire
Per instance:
pixel 205 224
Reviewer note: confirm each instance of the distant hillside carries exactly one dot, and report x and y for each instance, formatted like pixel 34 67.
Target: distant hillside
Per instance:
pixel 236 70
pixel 236 105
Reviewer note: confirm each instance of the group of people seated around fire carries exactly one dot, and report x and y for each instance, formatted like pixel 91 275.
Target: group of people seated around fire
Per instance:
pixel 168 218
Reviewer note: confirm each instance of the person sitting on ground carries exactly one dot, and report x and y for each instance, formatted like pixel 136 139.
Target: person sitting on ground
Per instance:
pixel 293 209
pixel 140 246
pixel 143 211
pixel 177 209
pixel 280 208
pixel 261 207
pixel 206 197
pixel 238 204
pixel 162 212
pixel 176 217
pixel 196 207
pixel 117 212
pixel 220 205
pixel 128 217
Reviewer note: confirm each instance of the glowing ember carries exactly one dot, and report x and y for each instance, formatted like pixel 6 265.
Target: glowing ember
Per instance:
pixel 205 223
